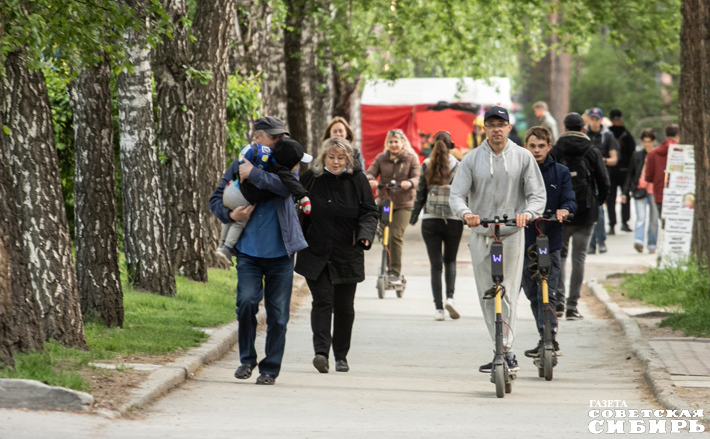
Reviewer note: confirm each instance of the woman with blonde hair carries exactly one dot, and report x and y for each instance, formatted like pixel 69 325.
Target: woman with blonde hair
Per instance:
pixel 339 127
pixel 397 162
pixel 440 227
pixel 340 227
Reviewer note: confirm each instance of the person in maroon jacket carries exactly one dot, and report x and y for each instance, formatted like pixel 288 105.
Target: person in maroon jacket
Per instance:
pixel 656 165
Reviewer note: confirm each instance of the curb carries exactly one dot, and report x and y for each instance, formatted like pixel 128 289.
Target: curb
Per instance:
pixel 173 374
pixel 655 372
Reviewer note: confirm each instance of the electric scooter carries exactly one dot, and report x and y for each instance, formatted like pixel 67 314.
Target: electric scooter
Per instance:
pixel 383 280
pixel 501 376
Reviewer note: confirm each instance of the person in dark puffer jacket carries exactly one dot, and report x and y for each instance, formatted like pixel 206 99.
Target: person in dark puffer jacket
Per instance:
pixel 575 145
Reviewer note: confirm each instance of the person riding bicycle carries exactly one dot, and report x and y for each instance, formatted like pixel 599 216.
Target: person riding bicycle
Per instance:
pixel 397 162
pixel 498 178
pixel 561 201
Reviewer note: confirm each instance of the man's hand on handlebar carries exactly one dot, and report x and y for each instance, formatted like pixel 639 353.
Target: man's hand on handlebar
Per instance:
pixel 522 219
pixel 405 184
pixel 472 220
pixel 562 214
pixel 373 184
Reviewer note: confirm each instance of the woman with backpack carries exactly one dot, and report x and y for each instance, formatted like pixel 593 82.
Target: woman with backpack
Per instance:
pixel 439 224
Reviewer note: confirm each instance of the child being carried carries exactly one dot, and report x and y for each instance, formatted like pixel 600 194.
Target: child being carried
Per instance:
pixel 285 154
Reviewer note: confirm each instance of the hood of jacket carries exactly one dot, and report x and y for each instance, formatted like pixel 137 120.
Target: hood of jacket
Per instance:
pixel 662 149
pixel 573 143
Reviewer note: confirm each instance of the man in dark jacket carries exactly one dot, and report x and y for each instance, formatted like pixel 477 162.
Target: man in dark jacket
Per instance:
pixel 617 174
pixel 574 148
pixel 604 141
pixel 560 203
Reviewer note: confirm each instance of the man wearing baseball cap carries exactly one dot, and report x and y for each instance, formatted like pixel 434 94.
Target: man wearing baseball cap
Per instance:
pixel 606 143
pixel 265 251
pixel 498 178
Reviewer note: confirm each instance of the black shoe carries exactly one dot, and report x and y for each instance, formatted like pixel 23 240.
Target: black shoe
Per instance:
pixel 592 250
pixel 611 231
pixel 266 379
pixel 321 363
pixel 341 366
pixel 573 314
pixel 560 309
pixel 512 362
pixel 243 372
pixel 556 347
pixel 602 248
pixel 534 352
pixel 486 368
pixel 625 228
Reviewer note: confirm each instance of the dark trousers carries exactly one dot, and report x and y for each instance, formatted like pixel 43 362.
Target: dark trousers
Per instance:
pixel 616 180
pixel 272 280
pixel 332 302
pixel 436 232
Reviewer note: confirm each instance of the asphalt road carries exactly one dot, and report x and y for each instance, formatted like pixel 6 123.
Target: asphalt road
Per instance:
pixel 410 376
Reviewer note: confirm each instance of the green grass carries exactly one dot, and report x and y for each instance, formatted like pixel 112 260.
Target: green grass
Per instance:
pixel 687 286
pixel 152 325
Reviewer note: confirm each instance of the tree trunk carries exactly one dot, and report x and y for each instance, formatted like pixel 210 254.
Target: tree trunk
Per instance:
pixel 176 140
pixel 32 156
pixel 147 259
pixel 296 106
pixel 694 112
pixel 274 88
pixel 20 316
pixel 212 27
pixel 343 94
pixel 96 237
pixel 317 76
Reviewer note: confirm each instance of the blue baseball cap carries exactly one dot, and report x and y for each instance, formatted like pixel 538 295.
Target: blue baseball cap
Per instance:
pixel 596 112
pixel 497 112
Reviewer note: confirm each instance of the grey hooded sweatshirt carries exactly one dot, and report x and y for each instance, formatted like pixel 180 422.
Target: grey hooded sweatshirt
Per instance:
pixel 505 184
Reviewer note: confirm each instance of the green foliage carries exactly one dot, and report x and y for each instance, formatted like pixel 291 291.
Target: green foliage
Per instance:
pixel 243 102
pixel 686 285
pixel 609 79
pixel 153 325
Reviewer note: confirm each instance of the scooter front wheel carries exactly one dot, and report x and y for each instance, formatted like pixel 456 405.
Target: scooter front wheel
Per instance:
pixel 548 364
pixel 381 287
pixel 499 378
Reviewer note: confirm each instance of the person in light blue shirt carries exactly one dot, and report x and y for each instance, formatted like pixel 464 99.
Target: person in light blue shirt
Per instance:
pixel 265 254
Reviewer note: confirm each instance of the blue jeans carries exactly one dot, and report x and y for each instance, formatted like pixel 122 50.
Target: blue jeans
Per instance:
pixel 599 233
pixel 533 291
pixel 646 206
pixel 271 279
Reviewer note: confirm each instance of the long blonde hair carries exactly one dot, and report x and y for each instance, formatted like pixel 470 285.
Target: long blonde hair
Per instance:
pixel 396 132
pixel 341 145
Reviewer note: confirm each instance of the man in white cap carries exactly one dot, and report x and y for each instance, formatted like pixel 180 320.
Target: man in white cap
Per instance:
pixel 265 254
pixel 498 178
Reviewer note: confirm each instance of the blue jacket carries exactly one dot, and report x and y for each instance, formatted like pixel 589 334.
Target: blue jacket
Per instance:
pixel 560 195
pixel 285 211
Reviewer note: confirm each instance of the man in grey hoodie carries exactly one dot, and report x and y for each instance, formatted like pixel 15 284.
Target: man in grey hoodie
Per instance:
pixel 498 178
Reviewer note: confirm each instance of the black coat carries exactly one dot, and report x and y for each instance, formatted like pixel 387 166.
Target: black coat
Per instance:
pixel 343 213
pixel 634 175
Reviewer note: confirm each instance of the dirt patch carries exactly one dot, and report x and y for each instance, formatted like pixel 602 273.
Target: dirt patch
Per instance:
pixel 595 306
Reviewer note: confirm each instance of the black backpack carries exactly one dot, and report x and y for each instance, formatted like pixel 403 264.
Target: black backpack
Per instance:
pixel 583 183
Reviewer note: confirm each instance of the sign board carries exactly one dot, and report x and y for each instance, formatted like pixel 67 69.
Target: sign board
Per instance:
pixel 678 203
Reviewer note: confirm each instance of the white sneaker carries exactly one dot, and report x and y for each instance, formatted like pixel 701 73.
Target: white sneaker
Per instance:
pixel 450 308
pixel 439 315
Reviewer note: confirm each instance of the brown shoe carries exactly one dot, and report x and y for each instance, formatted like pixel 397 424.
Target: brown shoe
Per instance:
pixel 639 247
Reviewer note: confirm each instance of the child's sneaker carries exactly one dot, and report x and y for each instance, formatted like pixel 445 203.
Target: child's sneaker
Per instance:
pixel 306 205
pixel 225 253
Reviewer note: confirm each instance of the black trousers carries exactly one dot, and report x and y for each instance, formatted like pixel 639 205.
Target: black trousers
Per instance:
pixel 332 303
pixel 616 181
pixel 436 232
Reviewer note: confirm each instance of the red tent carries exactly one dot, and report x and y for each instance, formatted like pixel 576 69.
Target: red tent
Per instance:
pixel 406 104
